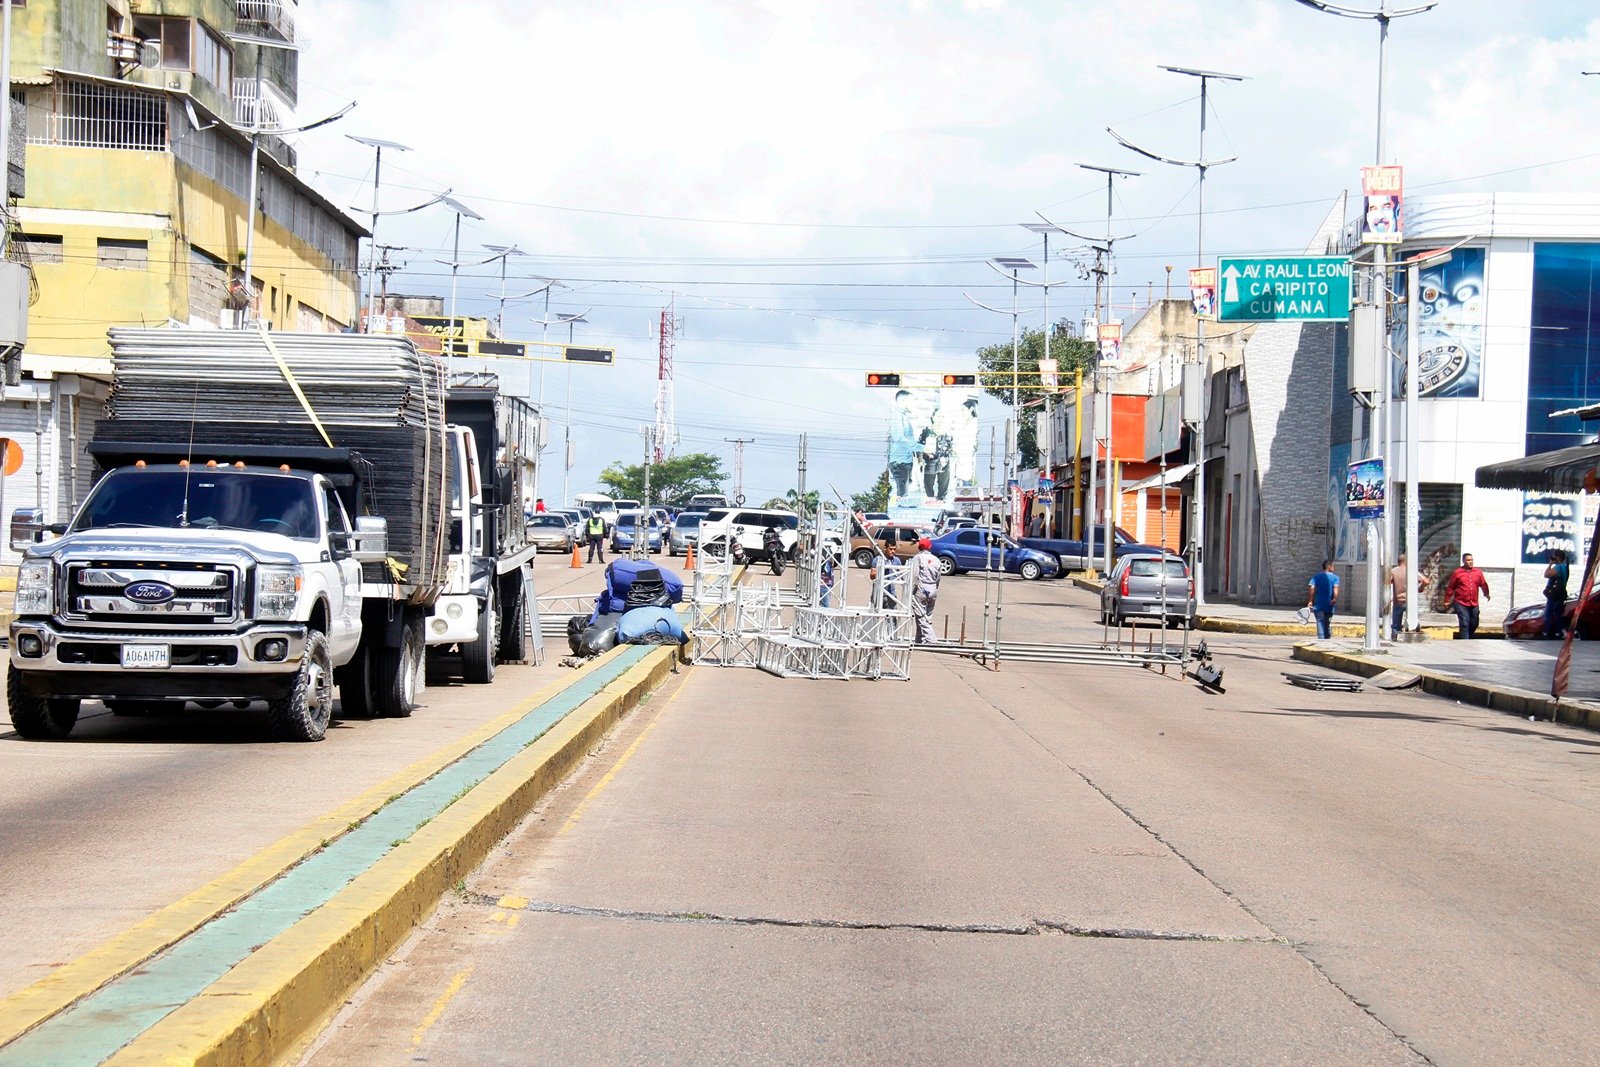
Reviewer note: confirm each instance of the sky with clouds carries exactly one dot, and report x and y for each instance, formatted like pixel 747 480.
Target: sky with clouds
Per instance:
pixel 820 183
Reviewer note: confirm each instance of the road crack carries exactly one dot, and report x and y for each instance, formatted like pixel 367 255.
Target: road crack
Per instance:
pixel 1029 928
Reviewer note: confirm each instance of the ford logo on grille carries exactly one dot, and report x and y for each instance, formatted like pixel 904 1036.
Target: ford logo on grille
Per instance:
pixel 149 592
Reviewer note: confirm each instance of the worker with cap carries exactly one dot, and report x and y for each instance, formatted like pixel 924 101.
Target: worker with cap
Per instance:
pixel 924 590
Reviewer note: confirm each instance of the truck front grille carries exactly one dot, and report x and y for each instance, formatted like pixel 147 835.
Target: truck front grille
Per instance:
pixel 154 594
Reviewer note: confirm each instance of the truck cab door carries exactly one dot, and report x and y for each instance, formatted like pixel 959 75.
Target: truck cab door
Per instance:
pixel 345 618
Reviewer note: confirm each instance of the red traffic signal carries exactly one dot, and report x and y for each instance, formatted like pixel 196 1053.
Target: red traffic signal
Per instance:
pixel 874 378
pixel 961 379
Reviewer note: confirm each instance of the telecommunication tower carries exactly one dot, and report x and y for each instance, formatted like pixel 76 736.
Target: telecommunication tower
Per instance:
pixel 666 419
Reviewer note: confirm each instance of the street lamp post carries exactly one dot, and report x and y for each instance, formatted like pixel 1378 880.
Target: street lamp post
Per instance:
pixel 1201 164
pixel 372 261
pixel 566 458
pixel 1009 266
pixel 461 210
pixel 1379 435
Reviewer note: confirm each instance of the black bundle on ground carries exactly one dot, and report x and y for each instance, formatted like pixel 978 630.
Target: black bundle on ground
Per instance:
pixel 377 396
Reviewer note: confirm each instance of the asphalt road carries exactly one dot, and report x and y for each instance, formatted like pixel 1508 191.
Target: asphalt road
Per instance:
pixel 129 814
pixel 1041 864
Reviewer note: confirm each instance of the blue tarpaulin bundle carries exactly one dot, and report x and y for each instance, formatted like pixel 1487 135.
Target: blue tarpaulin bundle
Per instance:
pixel 636 583
pixel 651 626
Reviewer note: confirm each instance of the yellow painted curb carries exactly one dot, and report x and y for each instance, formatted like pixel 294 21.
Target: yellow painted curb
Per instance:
pixel 1223 624
pixel 28 1007
pixel 268 1006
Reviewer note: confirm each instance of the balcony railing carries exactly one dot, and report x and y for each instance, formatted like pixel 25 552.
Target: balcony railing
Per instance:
pixel 257 107
pixel 268 18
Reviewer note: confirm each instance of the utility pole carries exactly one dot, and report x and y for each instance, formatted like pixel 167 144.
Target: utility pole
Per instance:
pixel 804 508
pixel 738 466
pixel 1202 164
pixel 641 537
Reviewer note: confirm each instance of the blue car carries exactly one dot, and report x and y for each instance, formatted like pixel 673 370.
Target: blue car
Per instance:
pixel 627 528
pixel 984 549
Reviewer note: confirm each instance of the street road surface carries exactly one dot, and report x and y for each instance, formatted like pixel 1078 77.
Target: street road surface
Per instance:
pixel 1046 864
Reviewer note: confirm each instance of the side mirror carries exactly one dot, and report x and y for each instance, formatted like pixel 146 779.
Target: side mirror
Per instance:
pixel 27 527
pixel 370 542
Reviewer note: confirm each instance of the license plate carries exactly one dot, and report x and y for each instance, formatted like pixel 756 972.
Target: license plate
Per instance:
pixel 146 657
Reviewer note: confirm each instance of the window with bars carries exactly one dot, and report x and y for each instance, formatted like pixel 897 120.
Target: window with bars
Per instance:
pixel 81 114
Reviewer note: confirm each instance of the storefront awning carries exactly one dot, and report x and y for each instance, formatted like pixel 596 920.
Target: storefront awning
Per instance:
pixel 1561 471
pixel 1173 476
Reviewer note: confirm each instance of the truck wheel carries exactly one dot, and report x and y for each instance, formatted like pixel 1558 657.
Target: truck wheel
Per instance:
pixel 1031 570
pixel 39 718
pixel 513 621
pixel 394 674
pixel 354 680
pixel 863 558
pixel 303 715
pixel 477 658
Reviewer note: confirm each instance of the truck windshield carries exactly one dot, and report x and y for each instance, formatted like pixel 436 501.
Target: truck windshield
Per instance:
pixel 217 499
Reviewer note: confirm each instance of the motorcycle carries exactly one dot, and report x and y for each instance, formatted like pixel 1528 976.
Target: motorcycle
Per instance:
pixel 772 545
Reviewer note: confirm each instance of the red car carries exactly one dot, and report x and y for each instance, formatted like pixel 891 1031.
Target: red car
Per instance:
pixel 1529 621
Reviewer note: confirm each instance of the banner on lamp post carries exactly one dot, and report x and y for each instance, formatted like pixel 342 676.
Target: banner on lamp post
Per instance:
pixel 1203 291
pixel 1382 190
pixel 1049 378
pixel 1110 335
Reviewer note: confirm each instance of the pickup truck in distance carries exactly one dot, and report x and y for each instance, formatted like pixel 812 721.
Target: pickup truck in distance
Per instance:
pixel 1075 555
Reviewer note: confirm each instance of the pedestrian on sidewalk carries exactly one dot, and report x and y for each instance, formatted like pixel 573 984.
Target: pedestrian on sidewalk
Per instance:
pixel 596 533
pixel 924 590
pixel 1555 595
pixel 1322 597
pixel 1461 593
pixel 1398 575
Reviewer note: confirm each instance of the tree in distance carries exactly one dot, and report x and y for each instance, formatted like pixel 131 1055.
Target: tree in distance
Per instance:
pixel 672 481
pixel 1071 353
pixel 874 499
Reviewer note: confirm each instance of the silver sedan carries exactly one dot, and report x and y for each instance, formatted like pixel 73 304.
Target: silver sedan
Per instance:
pixel 550 533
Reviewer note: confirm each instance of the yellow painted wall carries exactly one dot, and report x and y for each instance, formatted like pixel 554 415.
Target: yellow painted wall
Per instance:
pixel 79 299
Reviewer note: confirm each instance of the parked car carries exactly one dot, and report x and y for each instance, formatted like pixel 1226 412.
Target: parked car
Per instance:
pixel 981 549
pixel 955 522
pixel 893 540
pixel 1134 590
pixel 684 532
pixel 629 524
pixel 875 518
pixel 748 525
pixel 1075 554
pixel 1529 621
pixel 551 532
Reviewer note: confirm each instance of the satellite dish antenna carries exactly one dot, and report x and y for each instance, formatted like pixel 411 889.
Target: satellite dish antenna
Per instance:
pixel 194 117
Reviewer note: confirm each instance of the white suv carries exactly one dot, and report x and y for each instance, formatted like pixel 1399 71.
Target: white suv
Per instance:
pixel 749 525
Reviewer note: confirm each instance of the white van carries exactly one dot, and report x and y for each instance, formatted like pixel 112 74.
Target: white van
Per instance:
pixel 601 505
pixel 748 525
pixel 706 501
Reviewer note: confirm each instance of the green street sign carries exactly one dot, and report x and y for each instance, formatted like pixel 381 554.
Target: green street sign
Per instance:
pixel 1284 289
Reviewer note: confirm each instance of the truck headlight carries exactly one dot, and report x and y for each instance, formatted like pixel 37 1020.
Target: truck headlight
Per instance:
pixel 277 590
pixel 36 586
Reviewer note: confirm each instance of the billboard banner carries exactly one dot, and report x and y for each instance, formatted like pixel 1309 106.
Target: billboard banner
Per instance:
pixel 1049 376
pixel 1450 318
pixel 933 448
pixel 1382 189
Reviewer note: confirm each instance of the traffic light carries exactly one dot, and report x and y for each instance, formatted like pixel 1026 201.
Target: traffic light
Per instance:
pixel 960 379
pixel 876 379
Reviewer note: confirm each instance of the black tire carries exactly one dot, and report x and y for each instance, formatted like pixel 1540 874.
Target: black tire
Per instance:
pixel 478 657
pixel 1031 570
pixel 394 674
pixel 513 619
pixel 947 565
pixel 304 714
pixel 145 707
pixel 39 718
pixel 354 680
pixel 863 558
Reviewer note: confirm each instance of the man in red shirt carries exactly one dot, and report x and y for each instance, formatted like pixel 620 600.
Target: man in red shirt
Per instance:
pixel 1461 593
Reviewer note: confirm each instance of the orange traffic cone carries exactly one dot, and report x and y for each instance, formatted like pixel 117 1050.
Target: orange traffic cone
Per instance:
pixel 577 560
pixel 688 560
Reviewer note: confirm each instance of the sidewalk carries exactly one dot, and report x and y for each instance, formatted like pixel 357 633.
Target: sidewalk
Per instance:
pixel 1511 676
